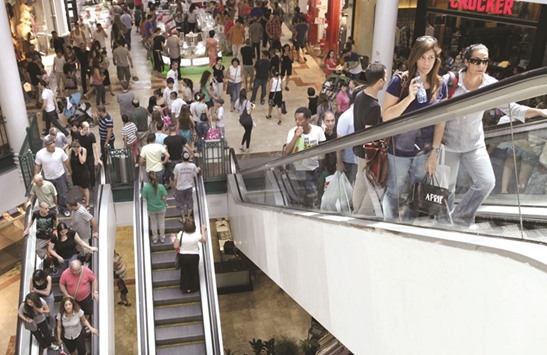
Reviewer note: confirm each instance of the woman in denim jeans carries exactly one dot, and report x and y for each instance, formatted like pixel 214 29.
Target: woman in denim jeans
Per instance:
pixel 464 137
pixel 409 152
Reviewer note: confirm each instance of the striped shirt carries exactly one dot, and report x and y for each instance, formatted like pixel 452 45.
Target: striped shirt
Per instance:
pixel 104 123
pixel 129 130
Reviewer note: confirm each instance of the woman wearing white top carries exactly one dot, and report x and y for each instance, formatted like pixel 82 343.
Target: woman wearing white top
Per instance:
pixel 233 74
pixel 69 326
pixel 187 242
pixel 276 95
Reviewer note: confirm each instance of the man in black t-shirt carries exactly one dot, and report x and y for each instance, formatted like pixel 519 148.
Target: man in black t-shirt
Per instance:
pixel 247 70
pixel 46 222
pixel 157 46
pixel 175 145
pixel 367 113
pixel 262 75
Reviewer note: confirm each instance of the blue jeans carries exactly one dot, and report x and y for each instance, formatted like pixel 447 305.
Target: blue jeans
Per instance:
pixel 62 189
pixel 262 84
pixel 402 173
pixel 478 166
pixel 235 92
pixel 201 129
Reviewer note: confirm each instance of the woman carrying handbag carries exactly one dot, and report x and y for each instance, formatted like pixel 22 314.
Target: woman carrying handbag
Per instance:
pixel 244 108
pixel 188 256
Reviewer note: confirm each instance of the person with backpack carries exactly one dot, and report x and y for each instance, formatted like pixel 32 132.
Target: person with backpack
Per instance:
pixel 409 152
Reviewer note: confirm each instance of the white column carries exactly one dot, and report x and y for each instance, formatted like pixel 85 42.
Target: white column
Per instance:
pixel 383 43
pixel 12 101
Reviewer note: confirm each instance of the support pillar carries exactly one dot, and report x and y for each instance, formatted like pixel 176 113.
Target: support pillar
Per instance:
pixel 383 44
pixel 12 101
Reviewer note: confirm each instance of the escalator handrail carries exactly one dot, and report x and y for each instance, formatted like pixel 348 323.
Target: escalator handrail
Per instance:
pixel 146 338
pixel 97 201
pixel 210 296
pixel 515 88
pixel 29 246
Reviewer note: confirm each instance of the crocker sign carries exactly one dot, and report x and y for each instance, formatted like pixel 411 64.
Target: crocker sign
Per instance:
pixel 497 7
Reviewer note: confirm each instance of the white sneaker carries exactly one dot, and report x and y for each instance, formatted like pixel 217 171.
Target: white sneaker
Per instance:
pixel 54 347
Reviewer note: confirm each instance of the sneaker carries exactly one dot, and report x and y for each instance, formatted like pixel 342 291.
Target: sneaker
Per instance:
pixel 162 239
pixel 155 240
pixel 54 347
pixel 262 102
pixel 66 213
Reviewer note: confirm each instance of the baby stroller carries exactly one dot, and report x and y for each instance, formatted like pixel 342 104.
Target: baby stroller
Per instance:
pixel 332 84
pixel 76 111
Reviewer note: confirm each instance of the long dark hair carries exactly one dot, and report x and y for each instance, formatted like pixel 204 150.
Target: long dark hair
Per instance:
pixel 185 119
pixel 28 310
pixel 204 77
pixel 75 305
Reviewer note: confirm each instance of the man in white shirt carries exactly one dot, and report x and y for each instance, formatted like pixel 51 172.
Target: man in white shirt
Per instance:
pixel 49 108
pixel 345 159
pixel 153 157
pixel 169 88
pixel 53 161
pixel 184 174
pixel 306 172
pixel 176 104
pixel 100 36
pixel 61 141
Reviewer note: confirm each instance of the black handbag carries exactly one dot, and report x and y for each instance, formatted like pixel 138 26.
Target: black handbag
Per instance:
pixel 245 118
pixel 427 197
pixel 229 88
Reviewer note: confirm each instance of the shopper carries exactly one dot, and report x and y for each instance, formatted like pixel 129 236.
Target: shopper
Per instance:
pixel 69 326
pixel 286 64
pixel 46 223
pixel 233 74
pixel 106 130
pixel 33 312
pixel 153 156
pixel 275 99
pixel 245 107
pixel 187 241
pixel 44 191
pixel 79 282
pixel 262 74
pixel 247 63
pixel 184 174
pixel 49 108
pixel 464 138
pixel 155 196
pixel 367 113
pixel 53 161
pixel 121 58
pixel 408 152
pixel 211 44
pixel 68 246
pixel 41 284
pixel 80 169
pixel 87 140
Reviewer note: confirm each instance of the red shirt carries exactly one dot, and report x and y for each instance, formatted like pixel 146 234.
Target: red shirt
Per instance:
pixel 273 27
pixel 70 281
pixel 229 24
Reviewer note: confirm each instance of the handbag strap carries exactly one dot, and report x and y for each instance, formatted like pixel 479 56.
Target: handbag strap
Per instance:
pixel 79 282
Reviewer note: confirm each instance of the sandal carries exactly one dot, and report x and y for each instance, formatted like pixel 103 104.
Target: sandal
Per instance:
pixel 127 304
pixel 279 122
pixel 268 116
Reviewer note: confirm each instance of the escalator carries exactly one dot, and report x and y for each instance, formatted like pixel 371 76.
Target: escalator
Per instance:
pixel 392 286
pixel 169 321
pixel 25 342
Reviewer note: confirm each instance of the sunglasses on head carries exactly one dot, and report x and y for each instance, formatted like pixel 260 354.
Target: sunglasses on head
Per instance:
pixel 426 38
pixel 478 61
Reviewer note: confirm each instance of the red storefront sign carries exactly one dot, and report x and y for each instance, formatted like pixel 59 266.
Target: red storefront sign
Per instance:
pixel 496 7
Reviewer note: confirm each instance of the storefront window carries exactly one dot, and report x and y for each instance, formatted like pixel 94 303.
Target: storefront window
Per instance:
pixel 506 8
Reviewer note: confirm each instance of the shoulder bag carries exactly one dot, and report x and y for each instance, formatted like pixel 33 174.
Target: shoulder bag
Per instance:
pixel 245 118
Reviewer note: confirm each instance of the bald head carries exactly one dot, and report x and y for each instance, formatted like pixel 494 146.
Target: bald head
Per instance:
pixel 38 179
pixel 76 266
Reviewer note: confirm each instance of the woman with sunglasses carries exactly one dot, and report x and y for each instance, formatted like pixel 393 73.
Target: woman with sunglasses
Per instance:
pixel 464 138
pixel 408 152
pixel 64 247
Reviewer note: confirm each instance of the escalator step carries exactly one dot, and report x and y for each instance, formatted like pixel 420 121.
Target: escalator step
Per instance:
pixel 165 277
pixel 182 333
pixel 162 260
pixel 172 295
pixel 172 225
pixel 167 246
pixel 177 313
pixel 172 212
pixel 186 349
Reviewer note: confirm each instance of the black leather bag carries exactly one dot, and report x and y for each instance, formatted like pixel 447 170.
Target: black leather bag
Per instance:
pixel 427 197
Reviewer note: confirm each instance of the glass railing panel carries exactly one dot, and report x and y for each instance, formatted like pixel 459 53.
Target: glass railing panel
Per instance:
pixel 503 191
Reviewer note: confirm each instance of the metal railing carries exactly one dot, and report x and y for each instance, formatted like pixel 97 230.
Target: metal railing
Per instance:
pixel 213 160
pixel 120 168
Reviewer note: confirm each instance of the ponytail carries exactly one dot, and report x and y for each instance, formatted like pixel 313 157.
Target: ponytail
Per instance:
pixel 153 180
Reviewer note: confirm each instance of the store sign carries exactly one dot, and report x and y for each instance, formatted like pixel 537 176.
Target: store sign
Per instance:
pixel 496 7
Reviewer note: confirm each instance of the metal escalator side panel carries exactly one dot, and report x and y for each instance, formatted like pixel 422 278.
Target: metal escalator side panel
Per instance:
pixel 209 295
pixel 146 339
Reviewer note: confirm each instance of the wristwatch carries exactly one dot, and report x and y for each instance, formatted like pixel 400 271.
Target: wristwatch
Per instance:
pixel 437 149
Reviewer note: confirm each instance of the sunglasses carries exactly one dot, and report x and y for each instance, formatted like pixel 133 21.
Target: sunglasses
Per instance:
pixel 478 61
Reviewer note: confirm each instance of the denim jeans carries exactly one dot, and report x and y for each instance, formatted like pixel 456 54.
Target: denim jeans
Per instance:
pixel 157 224
pixel 201 130
pixel 100 94
pixel 402 173
pixel 235 92
pixel 259 83
pixel 62 189
pixel 478 165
